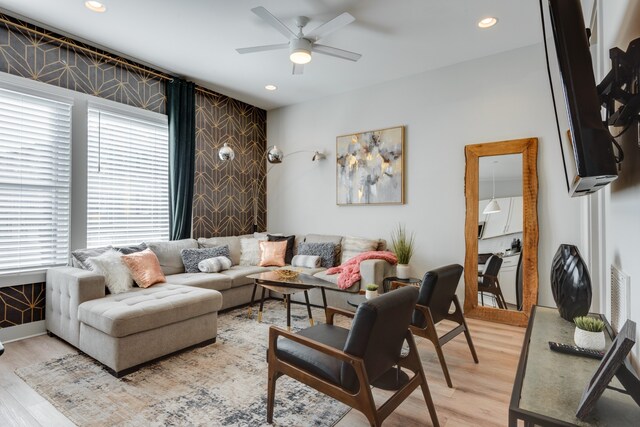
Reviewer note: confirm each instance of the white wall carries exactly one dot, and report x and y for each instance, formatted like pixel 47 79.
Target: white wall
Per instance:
pixel 620 23
pixel 495 98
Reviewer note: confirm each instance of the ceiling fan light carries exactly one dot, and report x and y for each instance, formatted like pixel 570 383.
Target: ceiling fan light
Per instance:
pixel 300 52
pixel 300 57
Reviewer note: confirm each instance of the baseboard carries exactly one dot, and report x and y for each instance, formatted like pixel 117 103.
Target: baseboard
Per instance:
pixel 20 332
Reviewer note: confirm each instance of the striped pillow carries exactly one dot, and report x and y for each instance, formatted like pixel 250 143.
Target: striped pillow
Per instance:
pixel 352 246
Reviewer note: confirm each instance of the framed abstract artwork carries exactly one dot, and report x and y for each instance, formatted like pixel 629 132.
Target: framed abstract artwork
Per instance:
pixel 370 167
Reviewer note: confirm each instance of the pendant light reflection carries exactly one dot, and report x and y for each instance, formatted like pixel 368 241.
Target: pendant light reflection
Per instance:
pixel 493 206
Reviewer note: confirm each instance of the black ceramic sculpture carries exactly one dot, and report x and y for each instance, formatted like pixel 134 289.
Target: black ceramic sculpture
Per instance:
pixel 570 283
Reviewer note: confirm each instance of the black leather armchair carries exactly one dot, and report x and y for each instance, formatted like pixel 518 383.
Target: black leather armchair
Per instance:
pixel 343 363
pixel 437 293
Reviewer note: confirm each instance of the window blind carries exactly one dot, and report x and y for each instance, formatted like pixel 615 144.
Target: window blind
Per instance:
pixel 128 179
pixel 35 180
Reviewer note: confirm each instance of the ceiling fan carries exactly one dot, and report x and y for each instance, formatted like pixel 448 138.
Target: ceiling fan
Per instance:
pixel 301 45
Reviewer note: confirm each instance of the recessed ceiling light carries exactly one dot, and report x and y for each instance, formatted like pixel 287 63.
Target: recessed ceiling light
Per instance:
pixel 487 22
pixel 271 87
pixel 95 6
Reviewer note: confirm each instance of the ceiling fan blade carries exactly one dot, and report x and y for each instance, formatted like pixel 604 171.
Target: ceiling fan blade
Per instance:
pixel 273 21
pixel 330 26
pixel 334 51
pixel 297 69
pixel 262 48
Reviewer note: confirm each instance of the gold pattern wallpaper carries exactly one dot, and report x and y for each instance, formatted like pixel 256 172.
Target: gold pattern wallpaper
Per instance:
pixel 223 193
pixel 21 304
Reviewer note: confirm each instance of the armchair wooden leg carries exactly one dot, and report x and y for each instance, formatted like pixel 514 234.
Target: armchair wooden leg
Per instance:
pixel 415 365
pixel 432 335
pixel 467 334
pixel 271 392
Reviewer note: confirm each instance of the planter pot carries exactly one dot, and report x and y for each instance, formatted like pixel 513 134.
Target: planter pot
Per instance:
pixel 590 340
pixel 370 294
pixel 570 283
pixel 403 271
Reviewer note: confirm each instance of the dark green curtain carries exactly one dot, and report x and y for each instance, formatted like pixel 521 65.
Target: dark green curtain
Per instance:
pixel 181 109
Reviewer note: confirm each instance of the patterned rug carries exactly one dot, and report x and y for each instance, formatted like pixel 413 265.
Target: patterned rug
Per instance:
pixel 223 384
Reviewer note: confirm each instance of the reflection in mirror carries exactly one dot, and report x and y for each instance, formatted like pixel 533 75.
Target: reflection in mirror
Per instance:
pixel 500 225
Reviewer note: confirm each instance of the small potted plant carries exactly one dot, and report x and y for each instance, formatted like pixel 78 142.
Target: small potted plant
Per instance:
pixel 402 245
pixel 371 291
pixel 589 333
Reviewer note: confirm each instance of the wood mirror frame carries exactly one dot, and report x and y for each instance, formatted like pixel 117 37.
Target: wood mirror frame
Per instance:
pixel 529 150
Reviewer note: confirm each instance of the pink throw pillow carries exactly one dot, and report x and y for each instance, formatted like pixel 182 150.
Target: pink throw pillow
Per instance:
pixel 144 267
pixel 272 253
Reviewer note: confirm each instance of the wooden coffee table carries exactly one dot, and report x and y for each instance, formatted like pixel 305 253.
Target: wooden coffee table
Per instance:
pixel 286 286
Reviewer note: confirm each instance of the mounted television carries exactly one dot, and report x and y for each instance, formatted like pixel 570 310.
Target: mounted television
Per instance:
pixel 590 163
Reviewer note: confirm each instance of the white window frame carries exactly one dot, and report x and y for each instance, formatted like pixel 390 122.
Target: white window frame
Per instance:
pixel 79 116
pixel 135 114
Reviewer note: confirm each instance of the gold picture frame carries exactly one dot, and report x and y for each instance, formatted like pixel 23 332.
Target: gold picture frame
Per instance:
pixel 370 167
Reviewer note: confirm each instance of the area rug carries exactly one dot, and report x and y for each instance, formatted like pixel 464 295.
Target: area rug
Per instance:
pixel 223 384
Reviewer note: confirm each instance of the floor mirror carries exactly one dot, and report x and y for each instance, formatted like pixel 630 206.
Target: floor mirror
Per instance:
pixel 501 230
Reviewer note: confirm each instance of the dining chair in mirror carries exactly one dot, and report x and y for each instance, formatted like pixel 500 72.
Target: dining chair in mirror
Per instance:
pixel 501 230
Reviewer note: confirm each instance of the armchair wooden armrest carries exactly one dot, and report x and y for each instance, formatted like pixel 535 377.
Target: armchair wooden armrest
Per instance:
pixel 396 285
pixel 275 332
pixel 332 311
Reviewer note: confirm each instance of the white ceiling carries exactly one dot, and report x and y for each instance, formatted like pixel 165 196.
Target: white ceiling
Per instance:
pixel 197 39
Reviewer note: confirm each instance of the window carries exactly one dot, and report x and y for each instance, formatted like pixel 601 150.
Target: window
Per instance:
pixel 35 180
pixel 128 179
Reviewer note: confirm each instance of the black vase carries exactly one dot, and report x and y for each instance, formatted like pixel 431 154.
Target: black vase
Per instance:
pixel 570 283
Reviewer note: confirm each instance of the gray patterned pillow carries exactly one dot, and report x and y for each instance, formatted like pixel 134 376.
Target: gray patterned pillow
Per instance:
pixel 191 257
pixel 79 257
pixel 326 251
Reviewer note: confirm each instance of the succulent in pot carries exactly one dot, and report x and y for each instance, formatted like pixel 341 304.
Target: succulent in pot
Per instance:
pixel 589 333
pixel 371 291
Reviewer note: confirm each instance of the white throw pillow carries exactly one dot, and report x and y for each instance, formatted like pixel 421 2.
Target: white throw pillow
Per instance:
pixel 116 274
pixel 250 252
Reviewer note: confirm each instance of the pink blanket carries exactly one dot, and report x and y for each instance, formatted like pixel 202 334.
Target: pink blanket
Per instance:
pixel 350 270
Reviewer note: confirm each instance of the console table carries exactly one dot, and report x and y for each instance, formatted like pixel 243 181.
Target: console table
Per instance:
pixel 549 385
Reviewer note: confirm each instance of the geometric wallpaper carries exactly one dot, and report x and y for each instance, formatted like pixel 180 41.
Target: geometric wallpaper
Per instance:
pixel 36 57
pixel 21 304
pixel 223 191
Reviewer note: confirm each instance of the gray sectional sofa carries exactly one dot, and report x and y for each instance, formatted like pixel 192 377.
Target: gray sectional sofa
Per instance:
pixel 125 330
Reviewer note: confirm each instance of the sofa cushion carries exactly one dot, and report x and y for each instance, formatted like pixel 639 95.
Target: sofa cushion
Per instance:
pixel 291 240
pixel 333 279
pixel 131 249
pixel 215 281
pixel 327 238
pixel 79 257
pixel 144 268
pixel 168 254
pixel 352 246
pixel 272 254
pixel 250 251
pixel 238 274
pixel 192 257
pixel 232 241
pixel 144 309
pixel 326 251
pixel 116 274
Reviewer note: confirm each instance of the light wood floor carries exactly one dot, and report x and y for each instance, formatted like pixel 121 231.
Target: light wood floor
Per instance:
pixel 480 396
